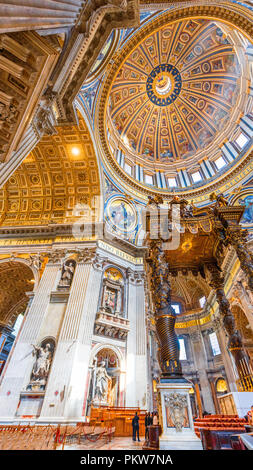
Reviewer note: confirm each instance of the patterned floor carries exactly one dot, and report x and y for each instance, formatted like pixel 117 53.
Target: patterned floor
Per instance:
pixel 118 443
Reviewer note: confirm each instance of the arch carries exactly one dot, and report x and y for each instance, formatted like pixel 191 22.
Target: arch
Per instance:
pixel 16 280
pixel 35 271
pixel 188 290
pixel 242 322
pixel 113 267
pixel 223 383
pixel 98 347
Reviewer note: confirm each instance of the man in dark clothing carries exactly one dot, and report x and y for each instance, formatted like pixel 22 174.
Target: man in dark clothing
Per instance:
pixel 147 423
pixel 135 425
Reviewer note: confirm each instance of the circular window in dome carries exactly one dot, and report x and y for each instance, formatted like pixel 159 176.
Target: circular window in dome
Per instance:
pixel 164 84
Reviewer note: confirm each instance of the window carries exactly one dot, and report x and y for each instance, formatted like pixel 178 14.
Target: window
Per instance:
pixel 242 140
pixel 172 182
pixel 148 179
pixel 196 177
pixel 177 308
pixel 128 169
pixel 182 355
pixel 220 163
pixel 214 344
pixel 17 324
pixel 202 301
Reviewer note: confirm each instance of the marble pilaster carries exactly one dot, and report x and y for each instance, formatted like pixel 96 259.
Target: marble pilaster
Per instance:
pixel 66 387
pixel 20 365
pixel 136 361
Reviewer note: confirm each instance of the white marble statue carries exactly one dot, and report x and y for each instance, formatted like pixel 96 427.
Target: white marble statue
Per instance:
pixel 42 364
pixel 102 382
pixel 67 274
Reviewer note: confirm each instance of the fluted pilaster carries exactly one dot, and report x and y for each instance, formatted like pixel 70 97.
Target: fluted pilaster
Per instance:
pixel 38 14
pixel 67 382
pixel 18 372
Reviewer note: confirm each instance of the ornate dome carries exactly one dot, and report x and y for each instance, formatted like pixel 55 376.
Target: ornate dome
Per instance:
pixel 175 92
pixel 177 96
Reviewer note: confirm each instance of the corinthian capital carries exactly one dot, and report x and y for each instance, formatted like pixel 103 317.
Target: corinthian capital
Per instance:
pixel 86 255
pixel 56 256
pixel 135 277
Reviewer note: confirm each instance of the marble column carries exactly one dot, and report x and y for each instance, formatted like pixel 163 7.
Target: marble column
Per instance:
pixel 200 360
pixel 66 390
pixel 18 372
pixel 234 235
pixel 213 390
pixel 226 355
pixel 235 345
pixel 198 399
pixel 245 298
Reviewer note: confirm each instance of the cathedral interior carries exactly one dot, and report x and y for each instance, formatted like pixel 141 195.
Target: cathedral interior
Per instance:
pixel 126 221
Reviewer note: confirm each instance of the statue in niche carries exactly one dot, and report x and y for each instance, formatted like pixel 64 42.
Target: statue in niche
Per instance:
pixel 41 366
pixel 103 381
pixel 67 273
pixel 110 300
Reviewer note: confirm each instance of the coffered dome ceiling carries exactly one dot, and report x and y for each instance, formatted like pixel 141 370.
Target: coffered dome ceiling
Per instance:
pixel 177 96
pixel 175 92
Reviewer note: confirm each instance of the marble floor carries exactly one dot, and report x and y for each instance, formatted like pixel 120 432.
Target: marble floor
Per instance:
pixel 117 443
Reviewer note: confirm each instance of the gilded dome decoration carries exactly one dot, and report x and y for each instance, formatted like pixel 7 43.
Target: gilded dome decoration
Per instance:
pixel 175 92
pixel 173 102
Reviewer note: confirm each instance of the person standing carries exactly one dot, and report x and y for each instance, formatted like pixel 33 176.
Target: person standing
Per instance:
pixel 147 423
pixel 250 416
pixel 135 425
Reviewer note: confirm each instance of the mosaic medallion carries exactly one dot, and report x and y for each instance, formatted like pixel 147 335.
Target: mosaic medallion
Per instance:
pixel 164 84
pixel 121 214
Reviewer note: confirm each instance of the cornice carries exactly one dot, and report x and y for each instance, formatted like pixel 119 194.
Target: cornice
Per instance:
pixel 97 21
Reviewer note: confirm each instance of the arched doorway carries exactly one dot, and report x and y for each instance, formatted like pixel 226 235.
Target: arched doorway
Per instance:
pixel 17 279
pixel 104 386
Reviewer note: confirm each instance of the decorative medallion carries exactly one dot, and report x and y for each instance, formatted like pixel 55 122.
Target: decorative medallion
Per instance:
pixel 121 215
pixel 164 84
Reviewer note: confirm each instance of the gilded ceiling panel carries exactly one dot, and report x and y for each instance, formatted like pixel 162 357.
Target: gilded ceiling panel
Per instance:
pixel 58 174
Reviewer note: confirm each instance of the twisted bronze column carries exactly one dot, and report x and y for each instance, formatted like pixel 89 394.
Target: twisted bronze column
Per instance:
pixel 238 238
pixel 235 345
pixel 164 313
pixel 234 235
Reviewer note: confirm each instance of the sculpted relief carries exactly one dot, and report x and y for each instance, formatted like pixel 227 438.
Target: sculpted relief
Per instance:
pixel 176 410
pixel 67 274
pixel 41 367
